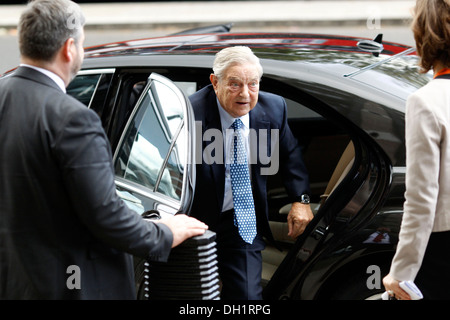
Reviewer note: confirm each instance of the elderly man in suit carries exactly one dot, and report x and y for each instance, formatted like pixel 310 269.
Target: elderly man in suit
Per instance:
pixel 59 211
pixel 230 193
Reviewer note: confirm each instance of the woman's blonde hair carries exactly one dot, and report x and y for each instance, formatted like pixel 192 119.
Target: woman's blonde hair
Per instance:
pixel 431 28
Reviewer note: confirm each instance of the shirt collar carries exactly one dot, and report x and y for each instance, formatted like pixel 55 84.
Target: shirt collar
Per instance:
pixel 227 120
pixel 59 82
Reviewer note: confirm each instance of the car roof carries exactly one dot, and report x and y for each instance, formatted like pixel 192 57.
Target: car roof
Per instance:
pixel 331 55
pixel 288 44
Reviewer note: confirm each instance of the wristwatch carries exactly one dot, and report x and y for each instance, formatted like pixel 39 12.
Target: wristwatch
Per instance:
pixel 305 199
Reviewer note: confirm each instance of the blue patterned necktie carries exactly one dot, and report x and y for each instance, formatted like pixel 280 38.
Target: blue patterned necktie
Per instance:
pixel 244 207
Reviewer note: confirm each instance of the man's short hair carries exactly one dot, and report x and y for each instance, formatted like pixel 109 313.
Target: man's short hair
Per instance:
pixel 45 26
pixel 230 56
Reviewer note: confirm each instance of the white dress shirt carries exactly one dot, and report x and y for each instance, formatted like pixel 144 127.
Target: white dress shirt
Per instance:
pixel 60 82
pixel 226 121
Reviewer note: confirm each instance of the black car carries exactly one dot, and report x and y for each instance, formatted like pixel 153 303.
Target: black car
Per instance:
pixel 346 103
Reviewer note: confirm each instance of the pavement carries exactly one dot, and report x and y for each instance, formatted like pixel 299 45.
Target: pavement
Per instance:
pixel 188 14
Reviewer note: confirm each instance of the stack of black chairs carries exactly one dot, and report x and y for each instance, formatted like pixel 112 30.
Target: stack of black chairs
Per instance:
pixel 191 273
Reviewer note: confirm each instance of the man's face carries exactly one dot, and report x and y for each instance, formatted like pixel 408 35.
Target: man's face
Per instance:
pixel 238 90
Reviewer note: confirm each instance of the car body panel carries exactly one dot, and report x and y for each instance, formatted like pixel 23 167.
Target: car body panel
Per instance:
pixel 336 94
pixel 359 91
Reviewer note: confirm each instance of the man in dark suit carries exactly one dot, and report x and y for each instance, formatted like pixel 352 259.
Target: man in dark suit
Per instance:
pixel 234 94
pixel 64 232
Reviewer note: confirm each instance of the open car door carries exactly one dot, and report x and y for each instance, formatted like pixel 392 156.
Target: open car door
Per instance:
pixel 153 162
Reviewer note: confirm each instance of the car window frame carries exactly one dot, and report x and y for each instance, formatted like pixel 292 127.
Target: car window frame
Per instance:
pixel 100 72
pixel 169 204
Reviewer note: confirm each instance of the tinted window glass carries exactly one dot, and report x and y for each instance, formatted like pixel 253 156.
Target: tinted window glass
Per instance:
pixel 144 148
pixel 83 87
pixel 172 179
pixel 148 154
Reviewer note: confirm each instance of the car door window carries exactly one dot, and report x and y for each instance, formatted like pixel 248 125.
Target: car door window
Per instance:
pixel 90 87
pixel 152 153
pixel 83 87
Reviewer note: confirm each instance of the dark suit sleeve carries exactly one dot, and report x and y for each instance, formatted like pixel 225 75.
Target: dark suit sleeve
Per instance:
pixel 85 158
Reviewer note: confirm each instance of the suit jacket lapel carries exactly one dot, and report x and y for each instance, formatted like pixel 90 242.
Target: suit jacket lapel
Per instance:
pixel 212 122
pixel 258 121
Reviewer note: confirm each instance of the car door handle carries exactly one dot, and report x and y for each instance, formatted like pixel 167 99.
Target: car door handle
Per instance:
pixel 151 215
pixel 319 232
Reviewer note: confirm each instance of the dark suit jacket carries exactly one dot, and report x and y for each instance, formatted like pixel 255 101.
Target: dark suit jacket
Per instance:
pixel 269 113
pixel 58 203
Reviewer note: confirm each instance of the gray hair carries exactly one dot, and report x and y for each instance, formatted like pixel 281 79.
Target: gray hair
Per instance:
pixel 235 55
pixel 45 26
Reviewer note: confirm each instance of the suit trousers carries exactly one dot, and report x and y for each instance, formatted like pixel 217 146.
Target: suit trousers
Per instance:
pixel 433 278
pixel 240 263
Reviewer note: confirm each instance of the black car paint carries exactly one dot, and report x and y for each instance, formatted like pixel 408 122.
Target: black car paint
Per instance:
pixel 330 259
pixel 332 248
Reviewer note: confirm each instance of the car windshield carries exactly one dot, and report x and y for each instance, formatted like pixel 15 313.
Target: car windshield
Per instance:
pixel 402 67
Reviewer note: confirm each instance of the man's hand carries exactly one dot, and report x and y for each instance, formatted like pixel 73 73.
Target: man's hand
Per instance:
pixel 298 218
pixel 183 227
